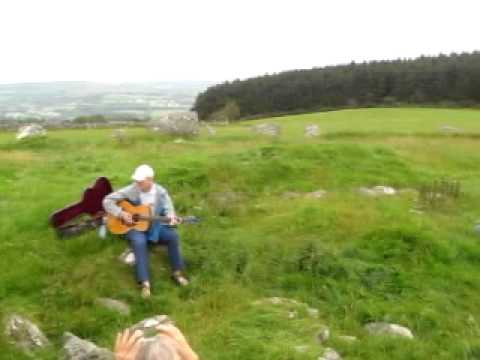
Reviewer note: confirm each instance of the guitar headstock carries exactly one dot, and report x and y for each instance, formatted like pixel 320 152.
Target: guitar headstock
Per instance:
pixel 190 220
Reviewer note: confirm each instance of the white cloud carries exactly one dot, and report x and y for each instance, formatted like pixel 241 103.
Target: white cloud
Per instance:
pixel 126 40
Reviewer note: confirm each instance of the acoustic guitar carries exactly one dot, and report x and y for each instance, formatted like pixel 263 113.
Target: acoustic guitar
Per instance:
pixel 142 218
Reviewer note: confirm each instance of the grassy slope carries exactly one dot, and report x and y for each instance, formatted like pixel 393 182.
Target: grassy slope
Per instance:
pixel 356 259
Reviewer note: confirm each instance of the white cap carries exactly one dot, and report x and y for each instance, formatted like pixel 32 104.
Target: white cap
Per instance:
pixel 142 172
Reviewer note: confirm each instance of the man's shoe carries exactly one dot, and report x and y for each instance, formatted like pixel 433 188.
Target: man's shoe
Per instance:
pixel 180 279
pixel 145 292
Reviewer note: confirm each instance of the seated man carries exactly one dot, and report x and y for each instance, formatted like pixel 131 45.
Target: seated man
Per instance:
pixel 146 192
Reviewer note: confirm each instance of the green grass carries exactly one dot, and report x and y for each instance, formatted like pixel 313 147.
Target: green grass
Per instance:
pixel 355 259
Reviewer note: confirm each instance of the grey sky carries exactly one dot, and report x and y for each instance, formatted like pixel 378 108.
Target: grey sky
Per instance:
pixel 142 40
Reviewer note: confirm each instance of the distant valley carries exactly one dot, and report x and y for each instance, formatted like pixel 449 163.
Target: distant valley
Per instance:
pixel 58 101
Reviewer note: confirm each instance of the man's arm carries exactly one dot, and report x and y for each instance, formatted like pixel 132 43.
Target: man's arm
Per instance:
pixel 168 204
pixel 110 201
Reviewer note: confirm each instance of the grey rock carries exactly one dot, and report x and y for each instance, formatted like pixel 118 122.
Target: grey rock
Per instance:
pixel 115 305
pixel 312 312
pixel 378 191
pixel 211 130
pixel 184 123
pixel 416 211
pixel 301 348
pixel 323 335
pixel 450 129
pixel 292 314
pixel 312 130
pixel 32 130
pixel 76 348
pixel 291 195
pixel 347 338
pixel 267 129
pixel 383 328
pixel 330 354
pixel 25 334
pixel 476 229
pixel 318 194
pixel 292 306
pixel 120 135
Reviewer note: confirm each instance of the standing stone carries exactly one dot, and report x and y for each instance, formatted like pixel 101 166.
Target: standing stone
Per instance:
pixel 32 130
pixel 211 131
pixel 312 130
pixel 79 349
pixel 183 123
pixel 267 129
pixel 119 135
pixel 25 334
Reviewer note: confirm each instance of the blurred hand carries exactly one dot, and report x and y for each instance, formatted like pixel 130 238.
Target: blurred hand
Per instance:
pixel 181 344
pixel 127 217
pixel 127 345
pixel 172 331
pixel 173 219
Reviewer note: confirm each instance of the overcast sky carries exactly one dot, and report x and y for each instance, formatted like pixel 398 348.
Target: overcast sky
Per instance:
pixel 142 40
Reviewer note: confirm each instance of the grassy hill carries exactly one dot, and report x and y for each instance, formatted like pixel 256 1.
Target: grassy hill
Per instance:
pixel 354 258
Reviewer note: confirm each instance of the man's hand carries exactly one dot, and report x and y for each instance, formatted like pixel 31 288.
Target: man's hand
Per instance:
pixel 173 219
pixel 181 343
pixel 127 345
pixel 126 217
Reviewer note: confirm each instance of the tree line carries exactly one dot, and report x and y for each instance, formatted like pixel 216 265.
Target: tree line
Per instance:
pixel 447 80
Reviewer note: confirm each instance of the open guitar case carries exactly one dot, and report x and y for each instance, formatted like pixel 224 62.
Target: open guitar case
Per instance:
pixel 87 214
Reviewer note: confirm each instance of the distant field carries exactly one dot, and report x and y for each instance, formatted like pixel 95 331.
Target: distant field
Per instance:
pixel 354 258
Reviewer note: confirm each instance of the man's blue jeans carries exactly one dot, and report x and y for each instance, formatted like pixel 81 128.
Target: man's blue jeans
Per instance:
pixel 139 242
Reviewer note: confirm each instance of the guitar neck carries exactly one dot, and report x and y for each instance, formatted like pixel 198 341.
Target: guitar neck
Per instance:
pixel 155 217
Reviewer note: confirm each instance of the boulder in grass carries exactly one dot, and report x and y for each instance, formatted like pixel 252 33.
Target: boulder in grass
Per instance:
pixel 211 131
pixel 267 129
pixel 378 191
pixel 120 135
pixel 447 129
pixel 25 334
pixel 383 328
pixel 184 123
pixel 476 229
pixel 312 130
pixel 76 348
pixel 290 305
pixel 318 194
pixel 330 354
pixel 347 338
pixel 323 335
pixel 29 131
pixel 114 305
